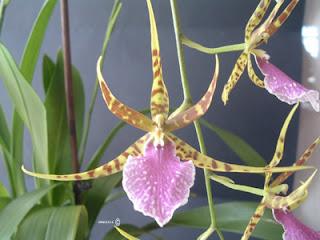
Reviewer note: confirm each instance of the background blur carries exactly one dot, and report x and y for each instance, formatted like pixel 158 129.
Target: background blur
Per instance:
pixel 251 113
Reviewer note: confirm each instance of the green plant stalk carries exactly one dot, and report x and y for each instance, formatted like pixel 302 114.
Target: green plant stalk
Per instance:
pixel 111 23
pixel 228 48
pixel 188 100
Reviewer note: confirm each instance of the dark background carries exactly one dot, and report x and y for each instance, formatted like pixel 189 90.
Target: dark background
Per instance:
pixel 251 113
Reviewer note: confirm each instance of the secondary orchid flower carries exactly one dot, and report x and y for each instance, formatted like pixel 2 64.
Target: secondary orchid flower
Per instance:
pixel 283 87
pixel 293 228
pixel 254 37
pixel 271 198
pixel 158 169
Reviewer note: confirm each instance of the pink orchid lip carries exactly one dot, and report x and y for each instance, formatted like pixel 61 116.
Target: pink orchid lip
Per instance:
pixel 293 228
pixel 158 183
pixel 285 88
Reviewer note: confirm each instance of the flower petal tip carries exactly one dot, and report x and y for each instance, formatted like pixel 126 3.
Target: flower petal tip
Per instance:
pixel 158 183
pixel 285 88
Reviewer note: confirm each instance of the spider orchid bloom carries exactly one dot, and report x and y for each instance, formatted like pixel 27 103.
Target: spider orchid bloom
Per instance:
pixel 271 195
pixel 158 169
pixel 293 228
pixel 254 37
pixel 285 88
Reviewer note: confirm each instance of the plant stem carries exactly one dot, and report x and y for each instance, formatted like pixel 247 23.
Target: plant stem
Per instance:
pixel 188 100
pixel 111 23
pixel 229 48
pixel 69 91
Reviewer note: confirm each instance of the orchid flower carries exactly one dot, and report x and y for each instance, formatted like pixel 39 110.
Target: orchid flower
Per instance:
pixel 254 37
pixel 159 168
pixel 285 88
pixel 271 197
pixel 293 228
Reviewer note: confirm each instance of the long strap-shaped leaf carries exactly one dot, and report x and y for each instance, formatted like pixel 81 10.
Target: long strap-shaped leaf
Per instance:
pixel 199 109
pixel 121 110
pixel 159 96
pixel 113 166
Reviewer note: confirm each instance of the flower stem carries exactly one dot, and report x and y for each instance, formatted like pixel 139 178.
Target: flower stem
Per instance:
pixel 229 48
pixel 111 23
pixel 188 100
pixel 69 92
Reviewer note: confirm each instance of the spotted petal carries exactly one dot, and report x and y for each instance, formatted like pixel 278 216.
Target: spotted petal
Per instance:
pixel 159 96
pixel 256 17
pixel 199 109
pixel 276 24
pixel 111 167
pixel 122 111
pixel 293 228
pixel 158 183
pixel 284 88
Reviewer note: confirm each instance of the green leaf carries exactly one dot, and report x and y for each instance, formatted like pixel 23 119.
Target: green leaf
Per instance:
pixel 27 67
pixel 4 202
pixel 16 210
pixel 58 130
pixel 70 222
pixel 3 191
pixel 28 105
pixel 243 150
pixel 231 217
pixel 34 43
pixel 5 138
pixel 96 196
pixel 5 142
pixel 48 68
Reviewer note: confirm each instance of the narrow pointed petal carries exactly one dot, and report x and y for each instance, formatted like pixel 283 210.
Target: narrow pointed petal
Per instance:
pixel 284 88
pixel 281 139
pixel 235 75
pixel 293 228
pixel 253 221
pixel 158 183
pixel 199 109
pixel 261 34
pixel 301 161
pixel 186 152
pixel 276 24
pixel 293 200
pixel 159 95
pixel 121 110
pixel 256 17
pixel 112 167
pixel 253 76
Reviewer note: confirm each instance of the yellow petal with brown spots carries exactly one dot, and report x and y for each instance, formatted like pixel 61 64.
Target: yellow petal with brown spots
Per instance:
pixel 254 221
pixel 235 75
pixel 256 17
pixel 121 110
pixel 112 167
pixel 253 76
pixel 185 152
pixel 280 143
pixel 196 111
pixel 276 24
pixel 159 95
pixel 301 161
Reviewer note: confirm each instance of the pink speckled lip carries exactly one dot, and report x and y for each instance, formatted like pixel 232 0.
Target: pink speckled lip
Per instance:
pixel 158 183
pixel 285 88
